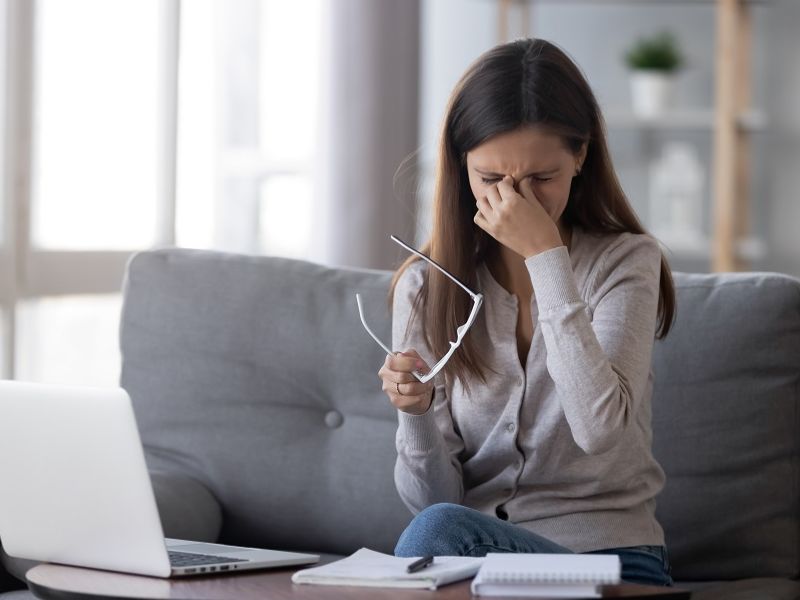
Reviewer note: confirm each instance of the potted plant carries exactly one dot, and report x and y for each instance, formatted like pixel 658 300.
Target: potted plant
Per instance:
pixel 653 62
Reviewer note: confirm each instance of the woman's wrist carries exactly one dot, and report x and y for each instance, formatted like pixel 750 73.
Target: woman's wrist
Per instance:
pixel 423 407
pixel 535 251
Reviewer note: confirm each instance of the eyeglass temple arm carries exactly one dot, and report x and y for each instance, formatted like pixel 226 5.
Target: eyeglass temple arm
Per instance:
pixel 435 264
pixel 422 377
pixel 369 331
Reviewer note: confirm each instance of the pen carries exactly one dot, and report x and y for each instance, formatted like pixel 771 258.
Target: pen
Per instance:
pixel 420 564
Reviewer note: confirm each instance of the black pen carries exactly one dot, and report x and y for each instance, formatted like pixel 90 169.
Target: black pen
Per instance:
pixel 420 564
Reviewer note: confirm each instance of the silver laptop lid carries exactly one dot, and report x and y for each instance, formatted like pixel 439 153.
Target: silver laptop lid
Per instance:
pixel 76 488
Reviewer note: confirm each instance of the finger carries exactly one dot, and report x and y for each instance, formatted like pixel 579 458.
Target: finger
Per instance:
pixel 420 364
pixel 392 377
pixel 526 189
pixel 406 364
pixel 481 222
pixel 407 389
pixel 410 352
pixel 484 206
pixel 494 199
pixel 415 389
pixel 398 362
pixel 414 354
pixel 406 393
pixel 403 402
pixel 505 187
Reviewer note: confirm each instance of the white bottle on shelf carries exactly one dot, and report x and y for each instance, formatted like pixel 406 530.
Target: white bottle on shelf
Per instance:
pixel 677 181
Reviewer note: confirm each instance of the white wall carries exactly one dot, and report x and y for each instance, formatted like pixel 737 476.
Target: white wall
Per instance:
pixel 782 164
pixel 453 33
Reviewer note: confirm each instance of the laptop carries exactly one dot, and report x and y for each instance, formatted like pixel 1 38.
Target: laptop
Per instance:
pixel 76 490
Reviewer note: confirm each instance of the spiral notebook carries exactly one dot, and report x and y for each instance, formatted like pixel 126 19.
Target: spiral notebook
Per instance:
pixel 546 575
pixel 373 569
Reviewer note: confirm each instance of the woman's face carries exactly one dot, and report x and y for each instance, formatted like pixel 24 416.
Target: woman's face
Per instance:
pixel 531 152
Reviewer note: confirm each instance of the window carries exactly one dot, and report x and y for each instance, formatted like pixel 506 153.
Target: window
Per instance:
pixel 248 106
pixel 112 107
pixel 60 339
pixel 95 126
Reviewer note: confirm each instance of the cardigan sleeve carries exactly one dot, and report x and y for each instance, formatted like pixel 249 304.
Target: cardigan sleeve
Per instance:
pixel 599 354
pixel 427 470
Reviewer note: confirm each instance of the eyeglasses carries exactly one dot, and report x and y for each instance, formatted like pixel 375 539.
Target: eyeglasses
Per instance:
pixel 477 301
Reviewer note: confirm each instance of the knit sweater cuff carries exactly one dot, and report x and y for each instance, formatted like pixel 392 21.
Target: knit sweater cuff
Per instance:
pixel 552 278
pixel 420 432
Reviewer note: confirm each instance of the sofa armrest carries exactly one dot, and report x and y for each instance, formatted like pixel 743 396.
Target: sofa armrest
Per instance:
pixel 188 510
pixel 12 572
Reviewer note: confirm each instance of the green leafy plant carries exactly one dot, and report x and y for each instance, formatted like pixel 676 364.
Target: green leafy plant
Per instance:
pixel 658 53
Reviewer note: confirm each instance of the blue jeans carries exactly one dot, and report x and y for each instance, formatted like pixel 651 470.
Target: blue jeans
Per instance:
pixel 453 530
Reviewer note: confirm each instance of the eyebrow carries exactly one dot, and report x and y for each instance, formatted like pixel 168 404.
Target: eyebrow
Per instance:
pixel 548 172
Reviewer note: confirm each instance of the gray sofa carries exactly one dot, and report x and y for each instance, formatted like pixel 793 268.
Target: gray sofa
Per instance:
pixel 256 393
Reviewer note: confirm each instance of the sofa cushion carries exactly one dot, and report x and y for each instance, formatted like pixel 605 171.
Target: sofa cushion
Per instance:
pixel 254 376
pixel 725 427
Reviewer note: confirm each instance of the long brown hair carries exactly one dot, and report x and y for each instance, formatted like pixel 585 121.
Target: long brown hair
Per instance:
pixel 523 82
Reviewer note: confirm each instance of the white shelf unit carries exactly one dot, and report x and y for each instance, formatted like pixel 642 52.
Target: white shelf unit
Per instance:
pixel 682 120
pixel 748 249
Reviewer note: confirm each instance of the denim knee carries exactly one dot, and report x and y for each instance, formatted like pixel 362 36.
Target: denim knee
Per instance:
pixel 430 532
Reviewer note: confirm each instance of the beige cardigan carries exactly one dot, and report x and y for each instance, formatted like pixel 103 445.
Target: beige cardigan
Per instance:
pixel 563 447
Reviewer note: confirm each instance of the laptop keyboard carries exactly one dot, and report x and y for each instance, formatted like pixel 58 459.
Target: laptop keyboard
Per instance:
pixel 188 559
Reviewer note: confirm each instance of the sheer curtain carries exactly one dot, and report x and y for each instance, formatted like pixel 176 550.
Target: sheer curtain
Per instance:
pixel 257 169
pixel 369 114
pixel 247 130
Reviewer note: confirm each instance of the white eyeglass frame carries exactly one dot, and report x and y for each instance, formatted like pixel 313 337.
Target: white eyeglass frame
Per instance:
pixel 477 302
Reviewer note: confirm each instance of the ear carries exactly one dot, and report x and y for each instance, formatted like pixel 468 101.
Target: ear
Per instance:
pixel 580 157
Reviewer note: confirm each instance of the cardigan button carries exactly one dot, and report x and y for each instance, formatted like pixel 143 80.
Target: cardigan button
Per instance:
pixel 501 513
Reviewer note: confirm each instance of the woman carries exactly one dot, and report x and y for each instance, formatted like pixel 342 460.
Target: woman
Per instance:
pixel 536 435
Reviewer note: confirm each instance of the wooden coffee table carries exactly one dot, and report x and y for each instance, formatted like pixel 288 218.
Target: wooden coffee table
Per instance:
pixel 56 582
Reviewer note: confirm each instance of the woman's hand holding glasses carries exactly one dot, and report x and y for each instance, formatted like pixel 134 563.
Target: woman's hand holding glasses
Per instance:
pixel 405 391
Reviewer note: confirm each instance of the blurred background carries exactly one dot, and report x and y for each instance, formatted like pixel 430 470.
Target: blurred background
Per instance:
pixel 308 129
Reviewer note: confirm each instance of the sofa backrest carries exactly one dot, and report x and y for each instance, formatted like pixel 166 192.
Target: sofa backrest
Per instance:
pixel 726 416
pixel 255 376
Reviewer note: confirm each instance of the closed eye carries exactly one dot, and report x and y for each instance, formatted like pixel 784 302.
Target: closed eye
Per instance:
pixel 496 179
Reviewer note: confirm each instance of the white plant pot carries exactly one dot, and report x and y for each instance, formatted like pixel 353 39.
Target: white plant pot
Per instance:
pixel 651 92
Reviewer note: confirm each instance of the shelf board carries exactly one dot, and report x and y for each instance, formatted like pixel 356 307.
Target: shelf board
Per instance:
pixel 686 119
pixel 749 248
